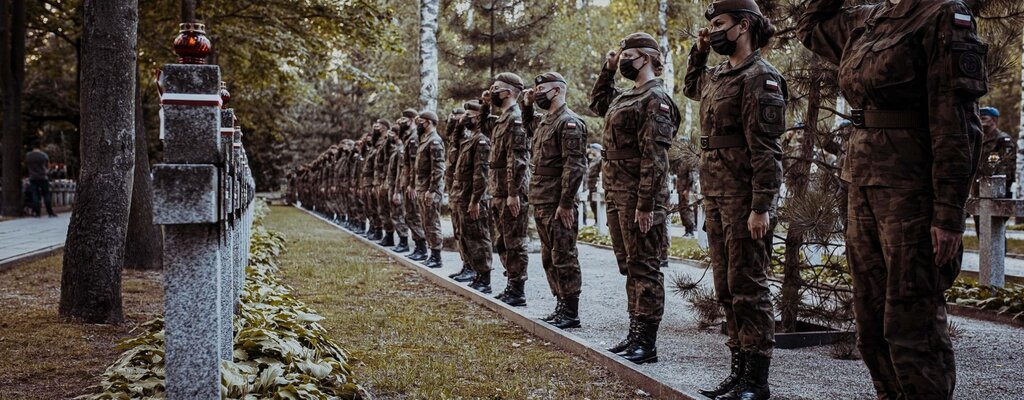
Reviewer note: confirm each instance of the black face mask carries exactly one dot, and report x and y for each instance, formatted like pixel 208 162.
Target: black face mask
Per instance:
pixel 469 123
pixel 421 127
pixel 496 98
pixel 628 70
pixel 720 42
pixel 542 99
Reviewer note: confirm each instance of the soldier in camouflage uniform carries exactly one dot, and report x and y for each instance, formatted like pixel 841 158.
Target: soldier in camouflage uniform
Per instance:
pixel 385 146
pixel 640 124
pixel 375 225
pixel 430 183
pixel 995 144
pixel 742 115
pixel 355 166
pixel 455 134
pixel 684 187
pixel 410 139
pixel 394 190
pixel 469 192
pixel 912 71
pixel 508 183
pixel 594 162
pixel 558 167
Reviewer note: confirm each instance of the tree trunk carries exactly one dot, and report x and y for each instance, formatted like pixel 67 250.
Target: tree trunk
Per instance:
pixel 94 251
pixel 144 245
pixel 12 77
pixel 1020 137
pixel 428 54
pixel 670 70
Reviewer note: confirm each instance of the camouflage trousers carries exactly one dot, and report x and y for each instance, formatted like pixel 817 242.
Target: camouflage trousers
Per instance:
pixel 688 216
pixel 740 266
pixel 412 215
pixel 457 222
pixel 370 207
pixel 510 238
pixel 898 299
pixel 475 239
pixel 430 214
pixel 384 208
pixel 398 213
pixel 639 256
pixel 558 251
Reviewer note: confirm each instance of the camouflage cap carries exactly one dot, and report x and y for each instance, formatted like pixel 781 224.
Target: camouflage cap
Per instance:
pixel 410 113
pixel 639 40
pixel 430 116
pixel 548 77
pixel 719 7
pixel 472 105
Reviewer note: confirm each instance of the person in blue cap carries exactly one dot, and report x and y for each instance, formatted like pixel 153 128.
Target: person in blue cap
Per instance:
pixel 998 152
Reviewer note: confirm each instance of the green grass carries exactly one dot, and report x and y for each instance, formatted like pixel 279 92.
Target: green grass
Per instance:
pixel 1013 246
pixel 411 339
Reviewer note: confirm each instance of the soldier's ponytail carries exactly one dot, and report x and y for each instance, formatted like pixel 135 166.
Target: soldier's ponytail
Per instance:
pixel 761 29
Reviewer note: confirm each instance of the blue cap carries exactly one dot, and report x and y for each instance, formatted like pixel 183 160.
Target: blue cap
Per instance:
pixel 844 123
pixel 990 111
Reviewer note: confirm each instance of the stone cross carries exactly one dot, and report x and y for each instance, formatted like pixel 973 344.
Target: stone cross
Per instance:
pixel 993 210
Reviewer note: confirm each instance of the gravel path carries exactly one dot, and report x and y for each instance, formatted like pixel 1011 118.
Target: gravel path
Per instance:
pixel 990 357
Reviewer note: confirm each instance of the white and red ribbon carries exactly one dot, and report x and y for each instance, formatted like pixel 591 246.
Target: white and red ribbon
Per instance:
pixel 190 99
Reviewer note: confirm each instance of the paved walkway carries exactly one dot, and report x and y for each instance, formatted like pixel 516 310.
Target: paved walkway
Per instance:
pixel 26 236
pixel 692 357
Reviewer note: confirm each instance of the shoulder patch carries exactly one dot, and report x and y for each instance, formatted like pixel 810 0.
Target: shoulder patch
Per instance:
pixel 438 142
pixel 664 107
pixel 962 20
pixel 771 85
pixel 517 121
pixel 571 125
pixel 482 142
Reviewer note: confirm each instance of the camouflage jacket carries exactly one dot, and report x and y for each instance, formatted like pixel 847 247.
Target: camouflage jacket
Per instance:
pixel 593 172
pixel 921 56
pixel 639 125
pixel 394 168
pixel 430 164
pixel 509 155
pixel 453 151
pixel 470 184
pixel 369 162
pixel 559 162
pixel 749 101
pixel 409 147
pixel 380 160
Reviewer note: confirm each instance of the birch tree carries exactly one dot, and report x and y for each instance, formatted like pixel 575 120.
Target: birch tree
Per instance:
pixel 666 50
pixel 428 54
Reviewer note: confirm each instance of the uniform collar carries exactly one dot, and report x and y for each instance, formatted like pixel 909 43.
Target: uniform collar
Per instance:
pixel 553 115
pixel 726 68
pixel 898 11
pixel 645 88
pixel 508 112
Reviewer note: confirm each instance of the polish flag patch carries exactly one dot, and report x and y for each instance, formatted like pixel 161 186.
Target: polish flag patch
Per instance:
pixel 664 107
pixel 571 125
pixel 962 20
pixel 518 122
pixel 771 85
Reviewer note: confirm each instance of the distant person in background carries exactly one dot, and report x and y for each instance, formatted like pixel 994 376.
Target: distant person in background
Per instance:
pixel 38 164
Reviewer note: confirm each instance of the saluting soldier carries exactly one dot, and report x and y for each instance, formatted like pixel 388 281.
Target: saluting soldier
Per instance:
pixel 509 183
pixel 912 72
pixel 640 124
pixel 559 166
pixel 384 148
pixel 430 183
pixel 998 152
pixel 469 192
pixel 393 193
pixel 455 134
pixel 742 115
pixel 374 232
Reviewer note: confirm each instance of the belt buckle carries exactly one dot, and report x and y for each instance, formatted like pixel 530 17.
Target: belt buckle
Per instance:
pixel 857 117
pixel 705 142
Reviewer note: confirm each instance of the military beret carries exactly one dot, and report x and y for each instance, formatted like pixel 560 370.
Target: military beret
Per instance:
pixel 596 146
pixel 845 123
pixel 719 7
pixel 410 113
pixel 382 121
pixel 511 79
pixel 472 105
pixel 458 111
pixel 429 115
pixel 639 40
pixel 989 111
pixel 548 77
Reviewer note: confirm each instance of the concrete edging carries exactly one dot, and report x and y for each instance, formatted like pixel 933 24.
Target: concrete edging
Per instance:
pixel 564 340
pixel 11 262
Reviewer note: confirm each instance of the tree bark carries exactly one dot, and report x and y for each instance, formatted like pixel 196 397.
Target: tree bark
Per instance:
pixel 12 80
pixel 669 74
pixel 144 245
pixel 428 54
pixel 94 251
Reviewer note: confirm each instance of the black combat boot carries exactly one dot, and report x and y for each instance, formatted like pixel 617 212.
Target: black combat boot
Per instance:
pixel 435 259
pixel 630 338
pixel 555 314
pixel 739 362
pixel 644 349
pixel 482 283
pixel 754 382
pixel 420 253
pixel 378 234
pixel 513 294
pixel 461 271
pixel 370 232
pixel 389 239
pixel 467 275
pixel 357 228
pixel 570 316
pixel 403 244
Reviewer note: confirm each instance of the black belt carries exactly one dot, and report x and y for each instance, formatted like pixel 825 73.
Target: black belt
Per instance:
pixel 623 154
pixel 497 166
pixel 547 171
pixel 722 142
pixel 888 119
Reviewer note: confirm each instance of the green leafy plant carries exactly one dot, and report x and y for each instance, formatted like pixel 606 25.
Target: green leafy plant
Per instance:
pixel 1008 301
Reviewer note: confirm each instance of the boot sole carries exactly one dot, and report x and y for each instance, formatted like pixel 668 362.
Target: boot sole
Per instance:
pixel 576 324
pixel 650 360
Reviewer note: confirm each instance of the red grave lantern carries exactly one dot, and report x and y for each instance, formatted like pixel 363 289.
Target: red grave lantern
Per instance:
pixel 192 45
